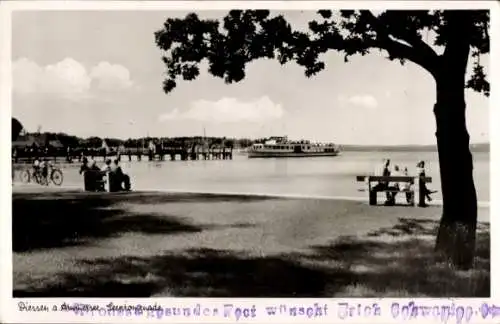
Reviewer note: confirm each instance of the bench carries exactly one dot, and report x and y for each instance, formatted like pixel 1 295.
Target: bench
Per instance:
pixel 415 187
pixel 94 180
pixel 105 181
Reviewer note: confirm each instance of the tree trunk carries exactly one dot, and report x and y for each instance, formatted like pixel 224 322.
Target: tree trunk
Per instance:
pixel 457 230
pixel 456 235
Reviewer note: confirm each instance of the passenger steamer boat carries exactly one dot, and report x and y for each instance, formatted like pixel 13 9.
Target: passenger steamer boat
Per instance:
pixel 281 147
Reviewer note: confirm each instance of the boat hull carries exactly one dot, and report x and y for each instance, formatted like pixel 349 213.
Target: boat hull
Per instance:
pixel 289 154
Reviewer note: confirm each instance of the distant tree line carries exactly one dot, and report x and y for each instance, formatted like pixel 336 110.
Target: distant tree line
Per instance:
pixel 97 142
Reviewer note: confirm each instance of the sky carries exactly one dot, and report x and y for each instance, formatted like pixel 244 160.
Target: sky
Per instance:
pixel 99 73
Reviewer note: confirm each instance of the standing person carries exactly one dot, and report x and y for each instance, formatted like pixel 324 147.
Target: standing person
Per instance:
pixel 36 167
pixel 421 174
pixel 32 154
pixel 88 176
pixel 44 169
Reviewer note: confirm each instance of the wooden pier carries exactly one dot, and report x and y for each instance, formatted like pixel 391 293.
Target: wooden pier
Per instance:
pixel 165 153
pixel 174 153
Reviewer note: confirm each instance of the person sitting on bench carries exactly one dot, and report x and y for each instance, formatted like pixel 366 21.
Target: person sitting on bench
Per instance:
pixel 407 186
pixel 91 175
pixel 394 186
pixel 87 180
pixel 107 166
pixel 122 179
pixel 383 185
pixel 93 166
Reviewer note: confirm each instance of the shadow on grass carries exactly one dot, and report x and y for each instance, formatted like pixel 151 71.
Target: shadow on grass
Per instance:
pixel 414 226
pixel 406 268
pixel 349 267
pixel 56 220
pixel 194 272
pixel 148 198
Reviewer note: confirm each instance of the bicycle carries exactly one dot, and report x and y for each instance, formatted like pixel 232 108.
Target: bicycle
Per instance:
pixel 54 175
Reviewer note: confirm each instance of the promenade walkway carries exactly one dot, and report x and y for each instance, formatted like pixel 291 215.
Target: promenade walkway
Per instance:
pixel 143 244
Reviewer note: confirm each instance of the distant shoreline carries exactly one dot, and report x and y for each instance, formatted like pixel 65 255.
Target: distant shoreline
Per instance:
pixel 26 189
pixel 480 147
pixel 64 140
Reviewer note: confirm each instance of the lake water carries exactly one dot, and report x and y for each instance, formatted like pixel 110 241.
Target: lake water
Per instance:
pixel 319 176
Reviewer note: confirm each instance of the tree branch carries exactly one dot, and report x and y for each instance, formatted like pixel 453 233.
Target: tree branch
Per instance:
pixel 410 36
pixel 419 52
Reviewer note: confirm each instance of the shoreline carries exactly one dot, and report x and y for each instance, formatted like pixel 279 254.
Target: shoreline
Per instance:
pixel 434 203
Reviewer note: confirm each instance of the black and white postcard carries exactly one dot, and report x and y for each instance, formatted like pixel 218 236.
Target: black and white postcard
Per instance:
pixel 256 150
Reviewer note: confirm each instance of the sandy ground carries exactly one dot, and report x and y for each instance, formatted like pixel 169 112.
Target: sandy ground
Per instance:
pixel 70 243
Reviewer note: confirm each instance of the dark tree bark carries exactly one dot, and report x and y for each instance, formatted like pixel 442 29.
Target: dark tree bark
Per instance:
pixel 457 231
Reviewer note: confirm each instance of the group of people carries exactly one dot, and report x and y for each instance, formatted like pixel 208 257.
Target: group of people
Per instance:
pixel 118 180
pixel 400 186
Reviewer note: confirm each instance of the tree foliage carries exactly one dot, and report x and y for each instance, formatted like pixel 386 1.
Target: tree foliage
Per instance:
pixel 95 142
pixel 16 128
pixel 246 35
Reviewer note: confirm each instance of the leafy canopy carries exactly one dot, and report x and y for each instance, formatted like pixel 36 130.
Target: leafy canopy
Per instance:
pixel 16 128
pixel 244 36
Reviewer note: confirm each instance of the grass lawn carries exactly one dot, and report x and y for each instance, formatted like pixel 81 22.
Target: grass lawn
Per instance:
pixel 146 244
